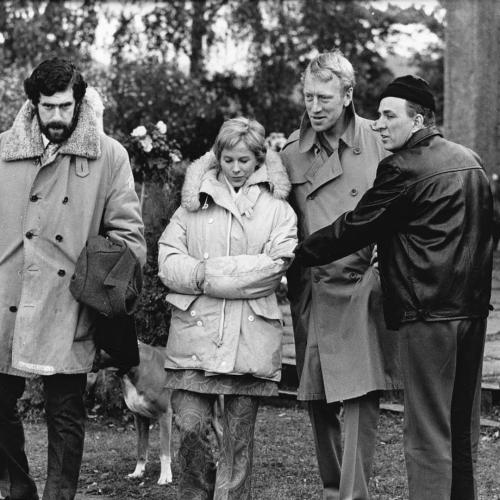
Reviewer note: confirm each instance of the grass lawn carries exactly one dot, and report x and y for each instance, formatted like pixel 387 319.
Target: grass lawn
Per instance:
pixel 284 460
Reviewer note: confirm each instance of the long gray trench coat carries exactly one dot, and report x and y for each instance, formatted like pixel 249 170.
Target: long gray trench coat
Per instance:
pixel 343 349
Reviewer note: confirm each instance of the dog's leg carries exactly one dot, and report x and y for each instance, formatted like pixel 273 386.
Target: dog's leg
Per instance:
pixel 165 439
pixel 142 431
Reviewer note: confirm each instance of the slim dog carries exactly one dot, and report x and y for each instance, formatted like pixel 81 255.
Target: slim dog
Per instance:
pixel 147 398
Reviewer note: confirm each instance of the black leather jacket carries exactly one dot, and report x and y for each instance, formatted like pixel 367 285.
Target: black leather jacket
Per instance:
pixel 430 212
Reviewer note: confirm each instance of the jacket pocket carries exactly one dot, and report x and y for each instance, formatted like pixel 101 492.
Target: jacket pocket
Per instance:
pixel 267 307
pixel 180 300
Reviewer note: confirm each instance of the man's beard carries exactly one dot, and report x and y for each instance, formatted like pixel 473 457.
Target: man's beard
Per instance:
pixel 57 131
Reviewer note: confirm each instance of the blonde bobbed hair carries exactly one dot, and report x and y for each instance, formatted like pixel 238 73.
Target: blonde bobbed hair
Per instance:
pixel 245 130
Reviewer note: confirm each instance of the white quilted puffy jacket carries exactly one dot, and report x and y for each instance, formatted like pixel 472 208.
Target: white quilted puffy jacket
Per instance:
pixel 233 323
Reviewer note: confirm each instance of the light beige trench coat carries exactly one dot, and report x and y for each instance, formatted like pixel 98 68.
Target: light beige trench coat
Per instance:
pixel 343 349
pixel 47 212
pixel 233 324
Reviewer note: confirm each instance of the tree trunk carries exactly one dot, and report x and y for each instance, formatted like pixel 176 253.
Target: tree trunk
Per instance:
pixel 198 31
pixel 472 76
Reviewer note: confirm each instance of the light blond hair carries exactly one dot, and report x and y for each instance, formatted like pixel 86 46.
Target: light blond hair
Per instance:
pixel 245 130
pixel 329 64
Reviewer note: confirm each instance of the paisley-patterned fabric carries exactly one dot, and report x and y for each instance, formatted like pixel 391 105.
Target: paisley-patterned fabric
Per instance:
pixel 199 479
pixel 197 381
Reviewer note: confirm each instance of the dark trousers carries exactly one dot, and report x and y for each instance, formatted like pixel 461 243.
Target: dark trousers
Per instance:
pixel 199 478
pixel 441 364
pixel 345 469
pixel 65 414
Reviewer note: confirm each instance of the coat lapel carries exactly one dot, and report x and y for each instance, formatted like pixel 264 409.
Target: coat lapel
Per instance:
pixel 215 188
pixel 321 173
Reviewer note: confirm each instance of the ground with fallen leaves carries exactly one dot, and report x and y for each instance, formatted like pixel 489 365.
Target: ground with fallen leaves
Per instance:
pixel 284 460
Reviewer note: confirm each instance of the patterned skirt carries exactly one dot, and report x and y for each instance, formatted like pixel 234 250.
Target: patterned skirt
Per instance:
pixel 198 381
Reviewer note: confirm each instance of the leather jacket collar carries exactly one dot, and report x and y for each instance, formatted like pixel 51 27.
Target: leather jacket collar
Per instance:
pixel 421 135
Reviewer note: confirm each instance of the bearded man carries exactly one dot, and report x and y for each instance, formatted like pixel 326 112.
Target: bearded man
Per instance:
pixel 61 182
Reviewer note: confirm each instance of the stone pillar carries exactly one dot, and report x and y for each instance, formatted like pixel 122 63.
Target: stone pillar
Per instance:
pixel 472 77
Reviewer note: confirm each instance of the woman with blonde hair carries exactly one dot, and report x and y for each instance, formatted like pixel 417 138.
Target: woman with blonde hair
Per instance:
pixel 222 257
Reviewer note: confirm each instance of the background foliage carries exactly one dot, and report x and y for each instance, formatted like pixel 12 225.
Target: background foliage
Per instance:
pixel 162 65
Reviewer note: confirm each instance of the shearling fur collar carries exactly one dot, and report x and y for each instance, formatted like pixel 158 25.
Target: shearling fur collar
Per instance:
pixel 272 173
pixel 24 139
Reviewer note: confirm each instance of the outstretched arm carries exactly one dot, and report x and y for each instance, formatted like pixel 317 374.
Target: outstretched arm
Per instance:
pixel 378 213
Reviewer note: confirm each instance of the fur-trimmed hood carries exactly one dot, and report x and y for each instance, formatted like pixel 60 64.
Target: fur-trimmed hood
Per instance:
pixel 206 168
pixel 24 139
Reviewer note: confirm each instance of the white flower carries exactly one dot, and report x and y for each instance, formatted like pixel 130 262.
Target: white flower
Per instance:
pixel 161 127
pixel 147 144
pixel 175 158
pixel 139 131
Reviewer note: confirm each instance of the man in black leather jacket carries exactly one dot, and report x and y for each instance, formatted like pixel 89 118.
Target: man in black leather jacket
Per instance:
pixel 429 211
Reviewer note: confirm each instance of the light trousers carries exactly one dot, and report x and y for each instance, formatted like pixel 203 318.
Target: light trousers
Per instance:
pixel 345 469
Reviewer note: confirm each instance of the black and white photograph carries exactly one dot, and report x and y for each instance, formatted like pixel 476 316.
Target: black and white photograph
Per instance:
pixel 249 250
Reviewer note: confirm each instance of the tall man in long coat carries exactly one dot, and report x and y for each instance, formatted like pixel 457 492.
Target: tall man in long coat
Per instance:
pixel 61 181
pixel 430 212
pixel 343 351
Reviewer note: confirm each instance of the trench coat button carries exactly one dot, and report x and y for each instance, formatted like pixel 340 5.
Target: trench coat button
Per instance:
pixel 316 279
pixel 356 151
pixel 354 192
pixel 193 313
pixel 13 309
pixel 65 200
pixel 251 318
pixel 199 323
pixel 59 237
pixel 210 221
pixel 205 255
pixel 29 235
pixel 34 197
pixel 61 272
pixel 193 357
pixel 353 275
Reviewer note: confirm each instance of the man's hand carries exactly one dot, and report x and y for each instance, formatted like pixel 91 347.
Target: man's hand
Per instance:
pixel 304 256
pixel 297 252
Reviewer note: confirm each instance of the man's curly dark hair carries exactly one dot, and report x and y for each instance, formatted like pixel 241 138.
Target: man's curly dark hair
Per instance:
pixel 54 75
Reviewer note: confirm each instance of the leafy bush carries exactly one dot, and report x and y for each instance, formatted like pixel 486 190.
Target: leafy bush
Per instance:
pixel 12 94
pixel 153 315
pixel 157 166
pixel 148 91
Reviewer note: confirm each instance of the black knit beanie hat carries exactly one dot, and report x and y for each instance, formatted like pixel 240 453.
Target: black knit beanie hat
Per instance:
pixel 412 88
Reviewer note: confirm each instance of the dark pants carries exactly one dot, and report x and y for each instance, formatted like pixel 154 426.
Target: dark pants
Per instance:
pixel 65 414
pixel 441 363
pixel 199 479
